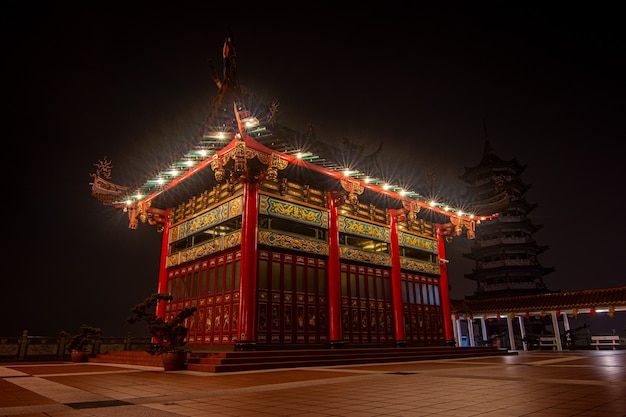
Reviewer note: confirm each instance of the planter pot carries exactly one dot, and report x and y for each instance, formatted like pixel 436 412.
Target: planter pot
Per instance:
pixel 174 361
pixel 80 356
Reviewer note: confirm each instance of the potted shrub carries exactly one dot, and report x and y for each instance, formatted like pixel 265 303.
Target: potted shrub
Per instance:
pixel 531 340
pixel 168 337
pixel 77 344
pixel 569 337
pixel 493 340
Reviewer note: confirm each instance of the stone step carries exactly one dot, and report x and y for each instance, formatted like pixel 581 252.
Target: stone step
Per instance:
pixel 255 360
pixel 128 357
pixel 233 361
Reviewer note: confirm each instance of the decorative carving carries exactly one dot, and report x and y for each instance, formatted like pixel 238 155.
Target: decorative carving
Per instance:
pixel 273 162
pixel 272 113
pixel 239 155
pixel 354 189
pixel 103 189
pixel 411 210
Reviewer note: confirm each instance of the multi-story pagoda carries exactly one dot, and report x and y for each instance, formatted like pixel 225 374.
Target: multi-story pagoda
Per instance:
pixel 505 251
pixel 277 242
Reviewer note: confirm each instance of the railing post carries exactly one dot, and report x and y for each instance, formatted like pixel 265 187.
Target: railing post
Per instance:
pixel 96 346
pixel 62 344
pixel 127 342
pixel 23 345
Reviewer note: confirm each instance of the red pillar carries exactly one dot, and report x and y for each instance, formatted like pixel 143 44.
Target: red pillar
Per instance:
pixel 334 275
pixel 396 281
pixel 162 285
pixel 246 332
pixel 443 287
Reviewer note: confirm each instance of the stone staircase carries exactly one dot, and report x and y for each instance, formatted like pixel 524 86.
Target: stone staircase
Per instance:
pixel 128 357
pixel 234 361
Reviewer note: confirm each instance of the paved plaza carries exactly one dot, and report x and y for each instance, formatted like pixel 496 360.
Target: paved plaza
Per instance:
pixel 533 384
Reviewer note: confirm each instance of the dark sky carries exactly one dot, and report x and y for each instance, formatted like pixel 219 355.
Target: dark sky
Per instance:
pixel 132 84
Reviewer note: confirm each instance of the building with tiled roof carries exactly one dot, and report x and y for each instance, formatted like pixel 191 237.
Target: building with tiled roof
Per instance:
pixel 551 312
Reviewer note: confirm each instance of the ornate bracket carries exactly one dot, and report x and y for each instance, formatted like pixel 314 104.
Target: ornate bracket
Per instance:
pixel 354 189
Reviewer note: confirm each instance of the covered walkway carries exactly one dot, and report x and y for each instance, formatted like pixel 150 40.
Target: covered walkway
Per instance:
pixel 517 317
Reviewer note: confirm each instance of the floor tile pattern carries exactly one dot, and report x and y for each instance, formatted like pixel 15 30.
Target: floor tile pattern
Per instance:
pixel 530 384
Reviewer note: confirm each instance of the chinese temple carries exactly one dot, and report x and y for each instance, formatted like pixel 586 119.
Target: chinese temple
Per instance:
pixel 278 243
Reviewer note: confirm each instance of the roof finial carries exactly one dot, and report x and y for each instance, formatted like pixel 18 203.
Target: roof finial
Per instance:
pixel 229 55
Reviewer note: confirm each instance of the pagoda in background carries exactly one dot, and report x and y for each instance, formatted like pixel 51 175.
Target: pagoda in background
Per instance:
pixel 504 251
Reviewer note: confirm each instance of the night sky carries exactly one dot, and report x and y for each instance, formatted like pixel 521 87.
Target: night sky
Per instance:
pixel 133 84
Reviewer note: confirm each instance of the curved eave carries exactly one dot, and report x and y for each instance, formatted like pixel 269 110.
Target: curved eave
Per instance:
pixel 538 270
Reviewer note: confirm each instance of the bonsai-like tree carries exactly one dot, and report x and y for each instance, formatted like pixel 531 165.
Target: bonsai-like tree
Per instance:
pixel 88 335
pixel 169 336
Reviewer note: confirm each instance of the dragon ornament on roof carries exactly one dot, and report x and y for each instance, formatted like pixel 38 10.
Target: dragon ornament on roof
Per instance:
pixel 102 188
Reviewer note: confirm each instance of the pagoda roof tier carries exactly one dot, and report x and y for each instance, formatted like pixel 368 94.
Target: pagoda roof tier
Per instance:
pixel 502 223
pixel 529 270
pixel 527 247
pixel 523 204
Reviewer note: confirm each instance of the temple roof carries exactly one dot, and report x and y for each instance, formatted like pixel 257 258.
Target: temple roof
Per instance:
pixel 567 300
pixel 233 117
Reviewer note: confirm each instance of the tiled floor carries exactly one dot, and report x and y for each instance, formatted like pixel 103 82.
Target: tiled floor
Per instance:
pixel 537 384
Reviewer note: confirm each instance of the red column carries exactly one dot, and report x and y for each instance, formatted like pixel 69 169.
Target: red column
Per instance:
pixel 396 281
pixel 334 275
pixel 443 288
pixel 162 285
pixel 246 332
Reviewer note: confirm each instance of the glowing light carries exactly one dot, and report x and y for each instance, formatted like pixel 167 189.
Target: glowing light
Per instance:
pixel 189 162
pixel 250 121
pixel 347 172
pixel 160 181
pixel 173 173
pixel 385 186
pixel 432 203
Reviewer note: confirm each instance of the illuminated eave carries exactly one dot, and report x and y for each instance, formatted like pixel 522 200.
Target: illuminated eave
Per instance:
pixel 215 144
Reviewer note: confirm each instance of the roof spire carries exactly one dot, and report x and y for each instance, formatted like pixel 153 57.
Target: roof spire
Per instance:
pixel 229 55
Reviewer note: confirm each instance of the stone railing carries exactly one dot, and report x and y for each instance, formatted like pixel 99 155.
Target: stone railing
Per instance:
pixel 50 348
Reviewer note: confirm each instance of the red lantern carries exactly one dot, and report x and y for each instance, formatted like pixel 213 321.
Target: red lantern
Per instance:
pixel 558 313
pixel 592 311
pixel 498 316
pixel 527 315
pixel 456 316
pixel 471 317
